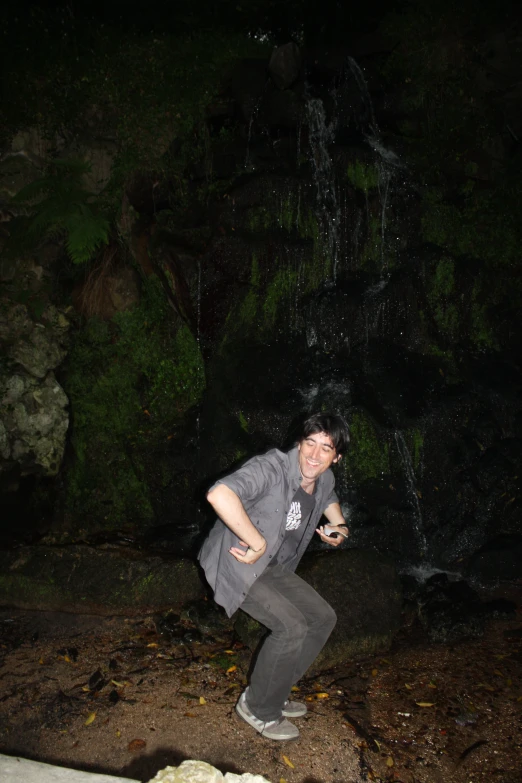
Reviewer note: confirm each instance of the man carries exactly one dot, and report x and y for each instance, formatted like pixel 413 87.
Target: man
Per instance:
pixel 268 511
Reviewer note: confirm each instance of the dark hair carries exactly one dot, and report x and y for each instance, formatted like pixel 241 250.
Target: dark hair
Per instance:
pixel 332 424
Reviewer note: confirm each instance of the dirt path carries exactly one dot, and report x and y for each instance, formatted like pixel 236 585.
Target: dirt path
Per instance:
pixel 112 695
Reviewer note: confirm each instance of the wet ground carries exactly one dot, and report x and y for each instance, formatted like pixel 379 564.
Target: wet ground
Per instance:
pixel 119 696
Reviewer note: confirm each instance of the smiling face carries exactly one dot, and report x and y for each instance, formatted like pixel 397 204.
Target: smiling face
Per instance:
pixel 316 454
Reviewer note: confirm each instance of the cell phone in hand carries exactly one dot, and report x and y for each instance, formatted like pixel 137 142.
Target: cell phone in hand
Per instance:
pixel 332 531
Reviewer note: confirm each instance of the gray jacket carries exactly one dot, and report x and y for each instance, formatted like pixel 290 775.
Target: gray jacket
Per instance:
pixel 266 486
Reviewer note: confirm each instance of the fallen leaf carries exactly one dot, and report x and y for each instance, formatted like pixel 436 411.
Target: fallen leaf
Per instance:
pixel 91 717
pixel 425 703
pixel 431 685
pixel 498 673
pixel 409 687
pixel 66 658
pixel 117 684
pixel 202 700
pixel 86 688
pixel 230 652
pixel 282 780
pixel 375 672
pixel 295 689
pixel 136 745
pixel 153 644
pixel 288 762
pixel 487 687
pixel 231 669
pixel 41 661
pixel 190 715
pixel 389 761
pixel 118 733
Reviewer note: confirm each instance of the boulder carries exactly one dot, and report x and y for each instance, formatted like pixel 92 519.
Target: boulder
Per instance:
pixel 363 588
pixel 34 420
pixel 200 772
pixel 285 65
pixel 37 344
pixel 85 580
pixel 450 611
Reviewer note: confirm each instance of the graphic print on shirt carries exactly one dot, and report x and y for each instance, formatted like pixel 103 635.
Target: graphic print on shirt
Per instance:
pixel 293 518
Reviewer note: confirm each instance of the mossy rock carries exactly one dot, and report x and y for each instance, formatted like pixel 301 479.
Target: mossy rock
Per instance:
pixel 89 581
pixel 363 588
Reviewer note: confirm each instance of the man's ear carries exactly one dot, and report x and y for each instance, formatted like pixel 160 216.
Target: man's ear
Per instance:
pixel 338 458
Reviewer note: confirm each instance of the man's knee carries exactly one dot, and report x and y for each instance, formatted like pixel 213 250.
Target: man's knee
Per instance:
pixel 330 618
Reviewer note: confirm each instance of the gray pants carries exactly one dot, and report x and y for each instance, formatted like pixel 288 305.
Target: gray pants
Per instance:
pixel 300 622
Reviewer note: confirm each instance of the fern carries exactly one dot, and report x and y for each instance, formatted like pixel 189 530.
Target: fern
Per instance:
pixel 60 206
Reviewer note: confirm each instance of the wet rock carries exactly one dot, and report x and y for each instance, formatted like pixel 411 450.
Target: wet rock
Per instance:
pixel 450 611
pixel 84 580
pixel 364 590
pixel 500 560
pixel 285 65
pixel 207 616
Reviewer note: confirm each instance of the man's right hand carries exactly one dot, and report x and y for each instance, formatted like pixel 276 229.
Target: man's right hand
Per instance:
pixel 249 557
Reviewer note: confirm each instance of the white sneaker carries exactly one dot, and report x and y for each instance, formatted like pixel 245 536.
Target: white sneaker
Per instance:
pixel 279 729
pixel 294 709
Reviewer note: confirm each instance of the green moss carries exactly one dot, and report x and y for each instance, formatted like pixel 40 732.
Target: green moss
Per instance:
pixel 368 457
pixel 363 176
pixel 442 298
pixel 278 297
pixel 481 332
pixel 20 588
pixel 372 251
pixel 415 442
pixel 243 422
pixel 128 382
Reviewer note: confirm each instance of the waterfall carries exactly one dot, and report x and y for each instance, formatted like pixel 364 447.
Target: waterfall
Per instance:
pixel 321 136
pixel 365 98
pixel 412 491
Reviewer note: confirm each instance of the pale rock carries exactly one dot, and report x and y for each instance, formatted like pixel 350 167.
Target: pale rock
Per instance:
pixel 201 772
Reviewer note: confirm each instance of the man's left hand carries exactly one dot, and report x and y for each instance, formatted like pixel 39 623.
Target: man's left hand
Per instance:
pixel 334 540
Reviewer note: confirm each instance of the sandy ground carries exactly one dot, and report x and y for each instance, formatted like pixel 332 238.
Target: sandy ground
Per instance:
pixel 114 696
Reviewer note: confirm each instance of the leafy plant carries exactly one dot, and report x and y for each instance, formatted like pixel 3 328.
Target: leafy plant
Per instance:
pixel 61 206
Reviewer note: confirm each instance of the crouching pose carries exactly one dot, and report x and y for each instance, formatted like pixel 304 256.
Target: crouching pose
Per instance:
pixel 268 511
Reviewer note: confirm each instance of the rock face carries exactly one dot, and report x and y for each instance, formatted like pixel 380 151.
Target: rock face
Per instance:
pixel 364 590
pixel 34 423
pixel 90 581
pixel 285 65
pixel 34 414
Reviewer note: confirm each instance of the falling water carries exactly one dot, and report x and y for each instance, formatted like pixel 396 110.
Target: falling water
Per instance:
pixel 253 116
pixel 384 189
pixel 321 136
pixel 412 490
pixel 372 127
